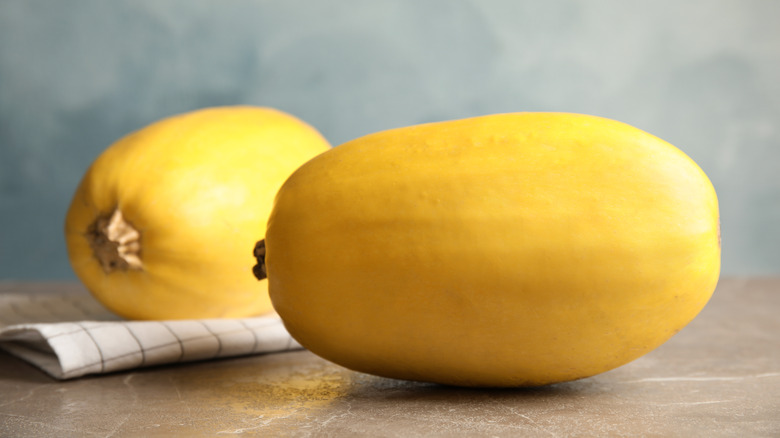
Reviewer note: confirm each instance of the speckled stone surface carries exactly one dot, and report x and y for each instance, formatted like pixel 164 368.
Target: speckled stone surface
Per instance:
pixel 719 377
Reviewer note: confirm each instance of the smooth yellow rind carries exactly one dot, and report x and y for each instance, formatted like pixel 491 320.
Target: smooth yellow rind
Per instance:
pixel 506 250
pixel 198 187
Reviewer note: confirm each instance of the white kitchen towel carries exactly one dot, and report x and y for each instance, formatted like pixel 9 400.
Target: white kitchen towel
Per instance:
pixel 70 335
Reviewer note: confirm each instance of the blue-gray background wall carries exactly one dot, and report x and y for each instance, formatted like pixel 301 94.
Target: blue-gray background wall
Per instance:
pixel 76 75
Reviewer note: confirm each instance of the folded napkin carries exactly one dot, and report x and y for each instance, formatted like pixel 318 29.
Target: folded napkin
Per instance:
pixel 69 335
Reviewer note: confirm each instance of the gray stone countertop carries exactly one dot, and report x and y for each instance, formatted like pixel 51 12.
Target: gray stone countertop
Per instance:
pixel 719 377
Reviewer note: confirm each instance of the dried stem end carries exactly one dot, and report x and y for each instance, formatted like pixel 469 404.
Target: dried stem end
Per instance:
pixel 115 243
pixel 259 268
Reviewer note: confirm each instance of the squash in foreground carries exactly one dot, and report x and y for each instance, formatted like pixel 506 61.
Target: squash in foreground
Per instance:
pixel 158 227
pixel 507 250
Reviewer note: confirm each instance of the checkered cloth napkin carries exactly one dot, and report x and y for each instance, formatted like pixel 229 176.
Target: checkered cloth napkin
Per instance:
pixel 69 335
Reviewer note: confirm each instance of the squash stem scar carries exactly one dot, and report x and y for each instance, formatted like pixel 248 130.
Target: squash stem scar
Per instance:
pixel 115 243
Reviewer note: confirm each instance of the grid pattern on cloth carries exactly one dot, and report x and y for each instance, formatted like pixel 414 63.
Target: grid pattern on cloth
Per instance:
pixel 72 335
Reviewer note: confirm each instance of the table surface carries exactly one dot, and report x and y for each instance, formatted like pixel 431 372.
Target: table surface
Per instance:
pixel 720 376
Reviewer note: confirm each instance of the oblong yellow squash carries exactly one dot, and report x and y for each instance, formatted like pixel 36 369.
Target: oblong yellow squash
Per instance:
pixel 505 250
pixel 158 225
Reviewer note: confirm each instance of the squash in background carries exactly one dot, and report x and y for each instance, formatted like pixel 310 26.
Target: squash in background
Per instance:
pixel 506 250
pixel 158 226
